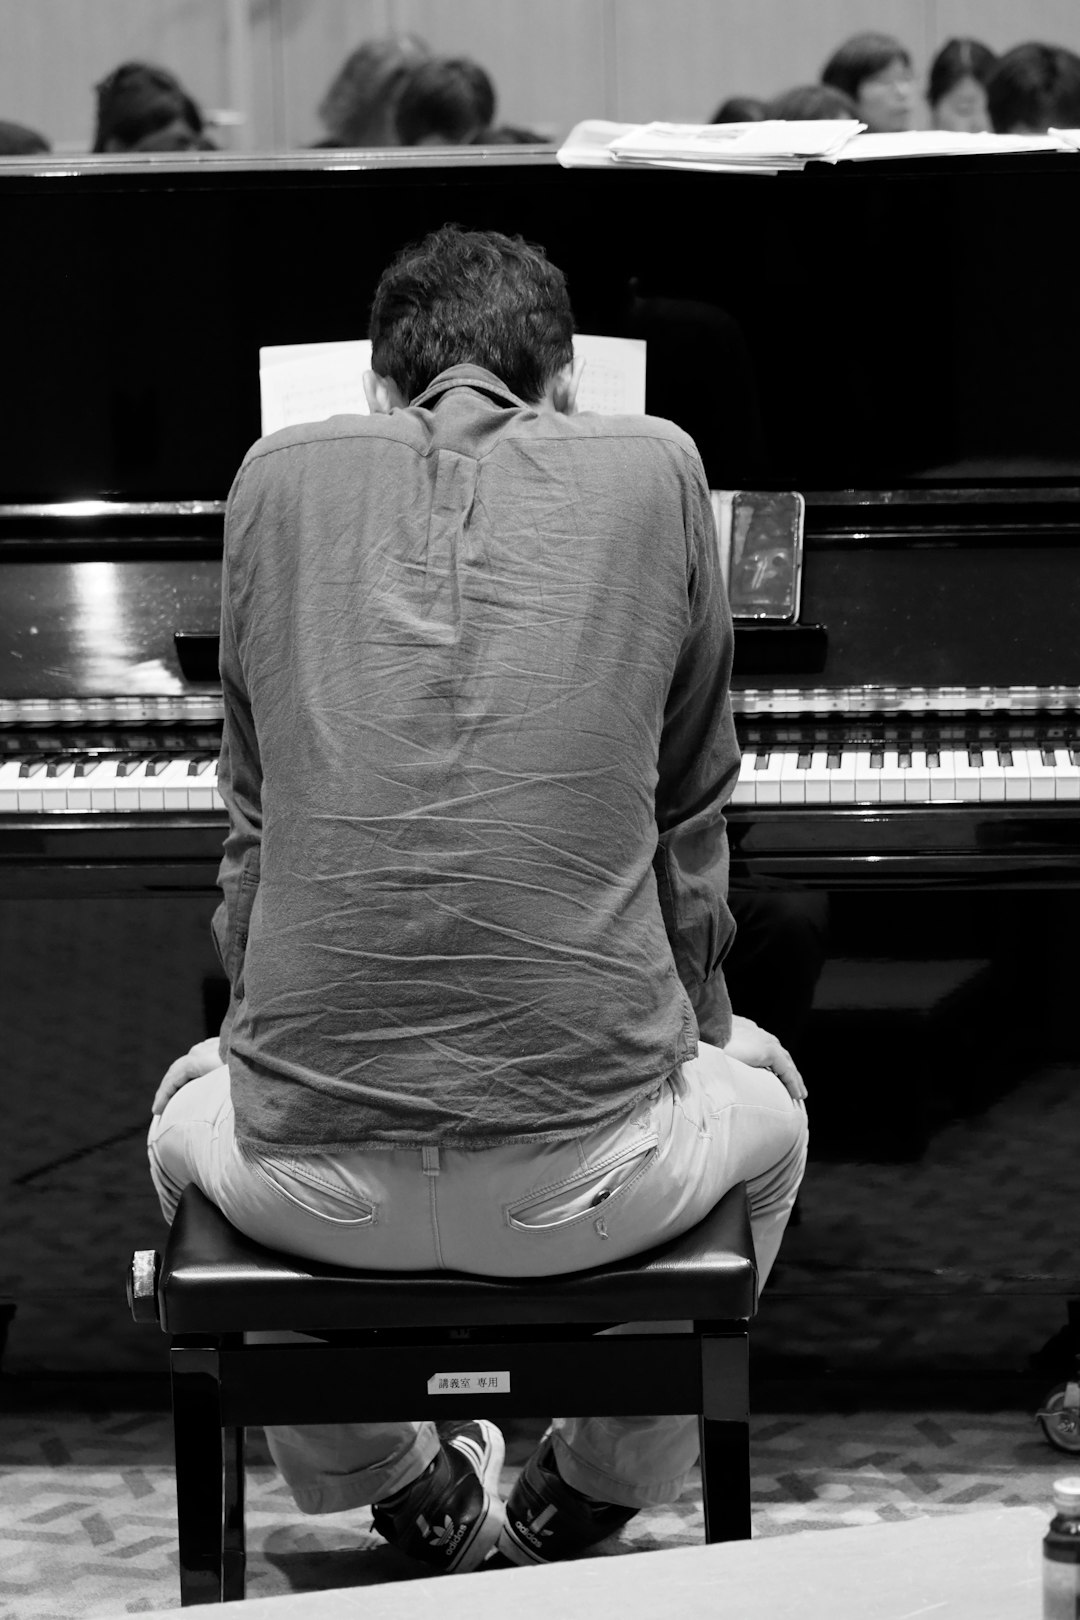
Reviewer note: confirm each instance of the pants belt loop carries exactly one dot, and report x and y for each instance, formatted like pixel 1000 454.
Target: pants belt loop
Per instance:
pixel 429 1160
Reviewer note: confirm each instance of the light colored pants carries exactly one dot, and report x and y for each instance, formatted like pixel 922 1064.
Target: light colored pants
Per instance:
pixel 527 1210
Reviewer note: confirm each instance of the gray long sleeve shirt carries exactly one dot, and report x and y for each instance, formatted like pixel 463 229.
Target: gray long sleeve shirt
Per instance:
pixel 475 659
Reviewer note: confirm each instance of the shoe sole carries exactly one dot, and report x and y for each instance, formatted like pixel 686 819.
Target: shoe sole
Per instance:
pixel 486 1461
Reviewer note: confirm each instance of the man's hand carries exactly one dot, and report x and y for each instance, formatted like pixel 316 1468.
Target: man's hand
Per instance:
pixel 199 1061
pixel 760 1050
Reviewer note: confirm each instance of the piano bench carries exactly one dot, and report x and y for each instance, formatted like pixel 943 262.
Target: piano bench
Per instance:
pixel 389 1345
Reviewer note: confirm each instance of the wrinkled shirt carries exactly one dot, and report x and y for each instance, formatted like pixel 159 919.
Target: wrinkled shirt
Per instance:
pixel 475 659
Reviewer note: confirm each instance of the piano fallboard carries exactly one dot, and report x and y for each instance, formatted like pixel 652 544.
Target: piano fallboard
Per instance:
pixel 944 846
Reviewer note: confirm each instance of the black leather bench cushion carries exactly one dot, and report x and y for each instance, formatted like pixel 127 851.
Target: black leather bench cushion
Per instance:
pixel 215 1280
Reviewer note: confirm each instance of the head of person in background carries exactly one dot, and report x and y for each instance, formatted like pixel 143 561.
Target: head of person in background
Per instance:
pixel 739 110
pixel 813 101
pixel 956 88
pixel 142 108
pixel 360 106
pixel 18 141
pixel 1034 87
pixel 446 101
pixel 511 135
pixel 876 71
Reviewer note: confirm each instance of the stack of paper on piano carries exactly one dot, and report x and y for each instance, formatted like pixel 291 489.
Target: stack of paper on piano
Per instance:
pixel 947 143
pixel 764 147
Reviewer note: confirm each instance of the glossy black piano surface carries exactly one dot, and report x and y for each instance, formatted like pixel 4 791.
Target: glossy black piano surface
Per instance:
pixel 892 340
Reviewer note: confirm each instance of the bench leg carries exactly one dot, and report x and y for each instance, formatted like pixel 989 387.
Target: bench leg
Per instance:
pixel 200 1474
pixel 725 1436
pixel 234 1549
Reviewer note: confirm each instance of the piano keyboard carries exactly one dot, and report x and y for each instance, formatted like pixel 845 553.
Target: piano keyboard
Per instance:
pixel 73 784
pixel 904 776
pixel 87 784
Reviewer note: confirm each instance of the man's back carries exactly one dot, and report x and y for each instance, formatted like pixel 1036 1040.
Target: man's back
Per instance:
pixel 485 651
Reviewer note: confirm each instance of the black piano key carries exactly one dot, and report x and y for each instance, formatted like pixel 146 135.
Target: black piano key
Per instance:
pixel 1074 756
pixel 157 764
pixel 1048 756
pixel 975 758
pixel 31 767
pixel 1005 757
pixel 761 763
pixel 903 759
pixel 87 766
pixel 877 759
pixel 832 760
pixel 197 767
pixel 57 767
pixel 129 764
pixel 933 759
pixel 804 762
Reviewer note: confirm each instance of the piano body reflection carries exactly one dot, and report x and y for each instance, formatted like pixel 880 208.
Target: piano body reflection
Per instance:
pixel 918 730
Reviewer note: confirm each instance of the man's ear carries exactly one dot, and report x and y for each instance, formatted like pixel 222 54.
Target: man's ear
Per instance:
pixel 382 394
pixel 563 388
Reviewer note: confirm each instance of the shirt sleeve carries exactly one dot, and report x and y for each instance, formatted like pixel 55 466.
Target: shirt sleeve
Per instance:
pixel 698 768
pixel 240 785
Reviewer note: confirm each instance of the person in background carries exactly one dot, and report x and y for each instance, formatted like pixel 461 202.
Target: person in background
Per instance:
pixel 143 108
pixel 18 141
pixel 876 71
pixel 739 110
pixel 956 89
pixel 1034 87
pixel 446 101
pixel 511 135
pixel 812 101
pixel 359 107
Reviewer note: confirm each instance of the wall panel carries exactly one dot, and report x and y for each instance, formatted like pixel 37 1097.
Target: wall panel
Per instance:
pixel 1002 23
pixel 680 58
pixel 56 50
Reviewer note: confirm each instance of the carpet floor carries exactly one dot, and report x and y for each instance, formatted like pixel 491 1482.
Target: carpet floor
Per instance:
pixel 88 1527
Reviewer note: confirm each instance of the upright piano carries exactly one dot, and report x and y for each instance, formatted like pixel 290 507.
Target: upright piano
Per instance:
pixel 895 340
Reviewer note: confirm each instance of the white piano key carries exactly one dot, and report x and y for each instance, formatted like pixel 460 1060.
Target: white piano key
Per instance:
pixel 767 778
pixel 867 777
pixel 1040 774
pixel 966 776
pixel 991 776
pixel 9 786
pixel 1017 780
pixel 817 779
pixel 917 777
pixel 842 778
pixel 1067 778
pixel 744 788
pixel 892 778
pixel 943 775
pixel 793 780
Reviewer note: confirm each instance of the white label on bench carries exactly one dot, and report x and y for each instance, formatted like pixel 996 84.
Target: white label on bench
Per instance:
pixel 469 1383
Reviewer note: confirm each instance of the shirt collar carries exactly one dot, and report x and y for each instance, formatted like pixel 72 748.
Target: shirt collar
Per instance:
pixel 468 376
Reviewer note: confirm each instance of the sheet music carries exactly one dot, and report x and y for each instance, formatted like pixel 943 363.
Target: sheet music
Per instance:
pixel 309 382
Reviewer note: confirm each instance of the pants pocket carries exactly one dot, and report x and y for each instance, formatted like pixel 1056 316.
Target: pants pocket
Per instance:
pixel 577 1197
pixel 317 1188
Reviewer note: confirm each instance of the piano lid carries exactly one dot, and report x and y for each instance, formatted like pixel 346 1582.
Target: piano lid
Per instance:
pixel 863 326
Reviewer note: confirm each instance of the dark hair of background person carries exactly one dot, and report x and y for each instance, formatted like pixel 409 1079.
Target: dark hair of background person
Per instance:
pixel 18 141
pixel 1032 87
pixel 862 57
pixel 359 107
pixel 958 59
pixel 142 108
pixel 446 101
pixel 739 110
pixel 511 135
pixel 474 297
pixel 812 101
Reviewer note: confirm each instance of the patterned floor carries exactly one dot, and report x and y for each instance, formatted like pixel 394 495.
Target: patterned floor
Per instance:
pixel 88 1528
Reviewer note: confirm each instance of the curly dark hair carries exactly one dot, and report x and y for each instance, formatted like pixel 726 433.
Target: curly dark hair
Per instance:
pixel 472 296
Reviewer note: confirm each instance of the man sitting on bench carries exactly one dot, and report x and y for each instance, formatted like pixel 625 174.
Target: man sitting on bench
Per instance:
pixel 475 653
